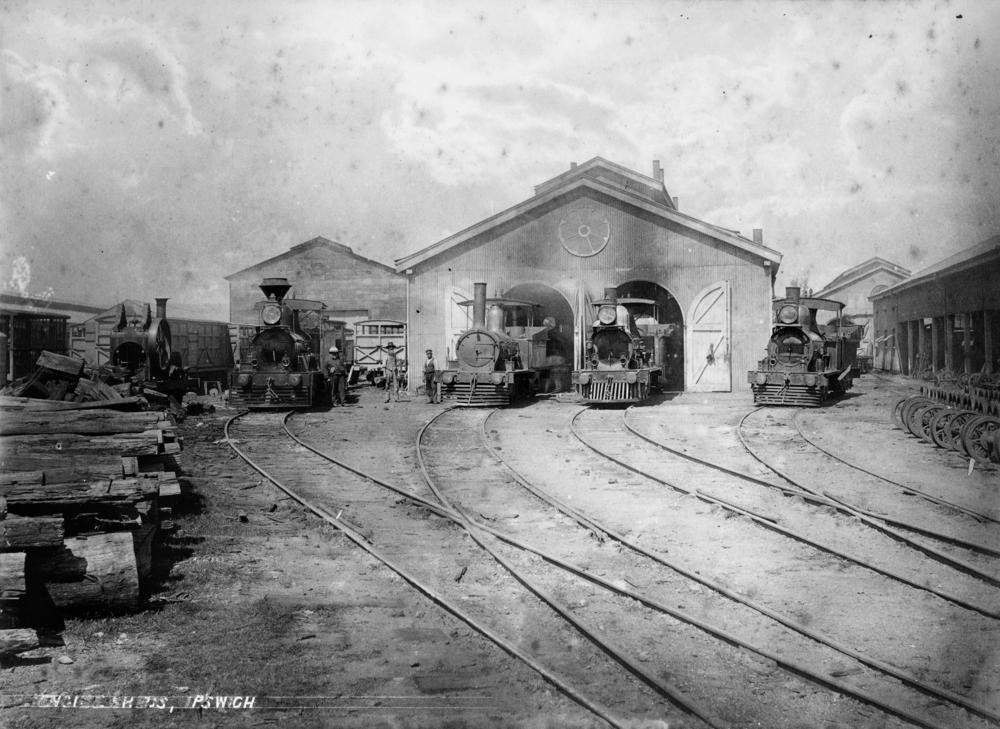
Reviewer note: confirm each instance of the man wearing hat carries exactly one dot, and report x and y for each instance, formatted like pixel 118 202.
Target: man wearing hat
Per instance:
pixel 337 372
pixel 390 366
pixel 430 369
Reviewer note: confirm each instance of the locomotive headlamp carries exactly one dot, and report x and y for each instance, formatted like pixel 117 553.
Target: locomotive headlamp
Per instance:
pixel 607 314
pixel 584 378
pixel 788 314
pixel 761 378
pixel 295 380
pixel 630 377
pixel 243 380
pixel 270 314
pixel 497 378
pixel 810 380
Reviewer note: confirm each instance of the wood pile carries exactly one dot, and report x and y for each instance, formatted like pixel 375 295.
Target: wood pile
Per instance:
pixel 83 491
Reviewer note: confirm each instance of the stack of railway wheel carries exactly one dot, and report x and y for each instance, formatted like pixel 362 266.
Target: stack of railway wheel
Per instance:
pixel 947 426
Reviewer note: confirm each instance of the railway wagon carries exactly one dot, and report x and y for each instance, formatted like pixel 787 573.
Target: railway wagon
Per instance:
pixel 371 337
pixel 503 356
pixel 281 368
pixel 803 366
pixel 26 337
pixel 620 359
pixel 132 338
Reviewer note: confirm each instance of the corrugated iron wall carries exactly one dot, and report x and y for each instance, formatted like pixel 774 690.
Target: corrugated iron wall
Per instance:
pixel 641 248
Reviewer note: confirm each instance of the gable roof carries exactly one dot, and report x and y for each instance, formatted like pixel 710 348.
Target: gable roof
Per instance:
pixel 316 242
pixel 601 176
pixel 971 257
pixel 859 272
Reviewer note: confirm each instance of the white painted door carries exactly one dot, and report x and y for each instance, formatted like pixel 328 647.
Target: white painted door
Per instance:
pixel 707 348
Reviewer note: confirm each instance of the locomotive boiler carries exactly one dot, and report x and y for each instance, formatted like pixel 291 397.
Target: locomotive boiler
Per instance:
pixel 802 367
pixel 503 356
pixel 145 351
pixel 620 365
pixel 282 370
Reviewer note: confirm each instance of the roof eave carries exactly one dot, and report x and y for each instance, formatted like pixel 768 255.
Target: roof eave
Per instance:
pixel 669 213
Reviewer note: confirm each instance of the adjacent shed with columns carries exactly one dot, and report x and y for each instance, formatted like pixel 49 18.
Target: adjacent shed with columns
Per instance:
pixel 594 226
pixel 943 319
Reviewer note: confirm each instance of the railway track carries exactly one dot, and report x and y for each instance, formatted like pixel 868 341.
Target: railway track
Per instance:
pixel 568 535
pixel 791 514
pixel 488 537
pixel 969 542
pixel 539 440
pixel 428 554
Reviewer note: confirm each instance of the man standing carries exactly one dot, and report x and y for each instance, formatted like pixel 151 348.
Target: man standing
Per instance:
pixel 337 371
pixel 390 367
pixel 430 369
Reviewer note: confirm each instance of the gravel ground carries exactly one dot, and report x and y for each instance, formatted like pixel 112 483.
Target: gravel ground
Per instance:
pixel 279 606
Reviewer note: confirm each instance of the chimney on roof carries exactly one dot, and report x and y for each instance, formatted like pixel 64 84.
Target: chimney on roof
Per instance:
pixel 572 165
pixel 677 203
pixel 758 236
pixel 657 171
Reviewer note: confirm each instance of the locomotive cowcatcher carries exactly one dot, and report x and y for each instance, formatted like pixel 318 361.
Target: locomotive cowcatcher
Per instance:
pixel 802 366
pixel 620 365
pixel 283 369
pixel 502 357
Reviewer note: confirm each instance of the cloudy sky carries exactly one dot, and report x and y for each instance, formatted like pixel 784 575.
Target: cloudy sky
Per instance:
pixel 150 149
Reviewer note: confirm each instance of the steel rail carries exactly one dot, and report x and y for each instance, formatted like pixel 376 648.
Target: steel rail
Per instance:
pixel 616 653
pixel 424 589
pixel 909 489
pixel 779 618
pixel 816 498
pixel 874 522
pixel 772 524
pixel 591 524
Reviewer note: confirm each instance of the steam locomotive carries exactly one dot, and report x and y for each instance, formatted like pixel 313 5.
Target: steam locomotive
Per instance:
pixel 802 367
pixel 145 351
pixel 620 358
pixel 283 368
pixel 502 357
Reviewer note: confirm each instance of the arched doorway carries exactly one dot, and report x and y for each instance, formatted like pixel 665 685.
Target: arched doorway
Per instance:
pixel 559 315
pixel 661 321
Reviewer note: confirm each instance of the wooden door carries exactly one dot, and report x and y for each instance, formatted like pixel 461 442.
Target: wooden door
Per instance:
pixel 707 345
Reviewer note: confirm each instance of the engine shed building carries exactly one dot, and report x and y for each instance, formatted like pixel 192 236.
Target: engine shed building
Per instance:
pixel 594 226
pixel 943 319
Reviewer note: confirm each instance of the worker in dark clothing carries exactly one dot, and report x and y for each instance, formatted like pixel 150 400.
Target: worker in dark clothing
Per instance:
pixel 337 372
pixel 430 370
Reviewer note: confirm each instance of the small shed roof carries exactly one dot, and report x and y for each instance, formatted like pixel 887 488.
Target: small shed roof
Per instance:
pixel 38 306
pixel 316 242
pixel 857 273
pixel 971 257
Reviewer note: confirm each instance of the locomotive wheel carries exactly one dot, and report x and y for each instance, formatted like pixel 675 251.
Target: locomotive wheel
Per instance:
pixel 922 418
pixel 953 430
pixel 939 427
pixel 916 417
pixel 974 436
pixel 897 409
pixel 908 408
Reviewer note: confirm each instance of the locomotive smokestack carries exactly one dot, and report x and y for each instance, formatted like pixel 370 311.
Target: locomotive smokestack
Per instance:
pixel 161 308
pixel 793 292
pixel 479 305
pixel 276 287
pixel 611 294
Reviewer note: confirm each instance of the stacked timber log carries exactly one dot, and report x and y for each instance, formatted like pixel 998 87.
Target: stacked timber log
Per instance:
pixel 59 379
pixel 82 494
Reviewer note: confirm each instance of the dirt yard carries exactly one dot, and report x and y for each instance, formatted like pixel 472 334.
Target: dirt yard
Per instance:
pixel 264 615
